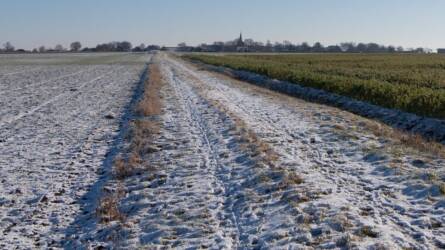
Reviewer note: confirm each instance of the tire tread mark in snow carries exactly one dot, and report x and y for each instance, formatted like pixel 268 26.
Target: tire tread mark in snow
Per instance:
pixel 193 113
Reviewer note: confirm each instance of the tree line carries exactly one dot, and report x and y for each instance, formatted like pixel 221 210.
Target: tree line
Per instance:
pixel 248 45
pixel 123 46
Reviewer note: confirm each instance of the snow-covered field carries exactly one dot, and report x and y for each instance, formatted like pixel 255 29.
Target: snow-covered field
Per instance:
pixel 59 115
pixel 234 166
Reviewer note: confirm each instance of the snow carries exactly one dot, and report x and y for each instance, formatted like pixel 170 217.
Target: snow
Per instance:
pixel 205 186
pixel 206 189
pixel 429 127
pixel 349 171
pixel 53 140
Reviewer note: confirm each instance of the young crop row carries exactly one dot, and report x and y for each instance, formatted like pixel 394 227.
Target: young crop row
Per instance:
pixel 412 83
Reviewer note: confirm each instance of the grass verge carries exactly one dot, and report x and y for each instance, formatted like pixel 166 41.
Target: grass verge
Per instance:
pixel 142 130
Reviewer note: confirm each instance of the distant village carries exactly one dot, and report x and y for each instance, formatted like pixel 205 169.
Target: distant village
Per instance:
pixel 236 45
pixel 249 45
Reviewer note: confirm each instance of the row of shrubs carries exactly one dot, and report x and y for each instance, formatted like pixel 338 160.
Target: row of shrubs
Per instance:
pixel 415 98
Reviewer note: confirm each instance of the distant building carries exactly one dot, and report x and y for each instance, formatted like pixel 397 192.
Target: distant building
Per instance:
pixel 441 51
pixel 240 45
pixel 239 41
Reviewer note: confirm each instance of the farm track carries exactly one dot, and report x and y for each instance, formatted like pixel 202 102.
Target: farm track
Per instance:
pixel 333 184
pixel 343 172
pixel 348 172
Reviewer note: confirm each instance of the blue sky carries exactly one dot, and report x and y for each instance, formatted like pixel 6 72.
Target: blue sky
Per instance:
pixel 410 23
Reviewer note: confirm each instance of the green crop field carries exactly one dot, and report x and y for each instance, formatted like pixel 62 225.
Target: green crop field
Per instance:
pixel 410 82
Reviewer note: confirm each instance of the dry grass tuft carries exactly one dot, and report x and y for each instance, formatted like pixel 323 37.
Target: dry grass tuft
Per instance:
pixel 108 207
pixel 134 161
pixel 338 127
pixel 122 169
pixel 369 231
pixel 292 178
pixel 419 142
pixel 143 132
pixel 412 140
pixel 150 103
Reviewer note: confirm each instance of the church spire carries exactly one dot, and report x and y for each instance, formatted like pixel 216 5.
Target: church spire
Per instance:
pixel 240 42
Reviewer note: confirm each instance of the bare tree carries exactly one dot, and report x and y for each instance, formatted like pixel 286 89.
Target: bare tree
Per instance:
pixel 8 47
pixel 123 46
pixel 59 48
pixel 318 47
pixel 304 47
pixel 42 49
pixel 139 48
pixel 249 42
pixel 75 46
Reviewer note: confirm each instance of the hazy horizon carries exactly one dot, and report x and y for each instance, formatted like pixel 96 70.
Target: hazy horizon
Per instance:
pixel 28 24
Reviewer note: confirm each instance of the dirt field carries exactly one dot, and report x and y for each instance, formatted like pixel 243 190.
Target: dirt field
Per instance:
pixel 57 125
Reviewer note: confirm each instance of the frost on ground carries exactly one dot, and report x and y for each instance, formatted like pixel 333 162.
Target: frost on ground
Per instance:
pixel 359 188
pixel 233 166
pixel 59 115
pixel 238 167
